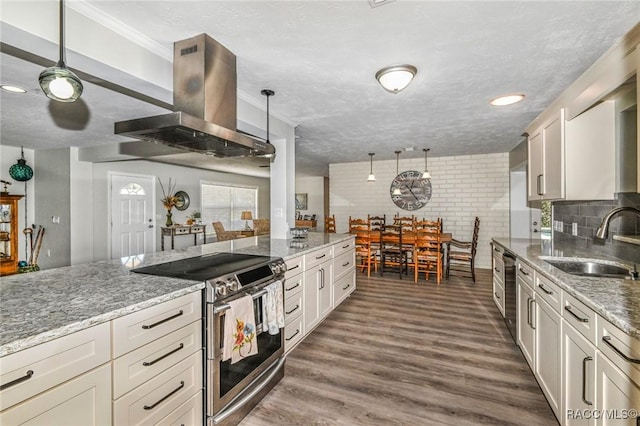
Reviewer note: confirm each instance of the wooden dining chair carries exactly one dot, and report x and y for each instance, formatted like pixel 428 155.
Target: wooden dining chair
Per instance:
pixel 330 224
pixel 427 253
pixel 394 253
pixel 428 224
pixel 405 221
pixel 365 258
pixel 462 257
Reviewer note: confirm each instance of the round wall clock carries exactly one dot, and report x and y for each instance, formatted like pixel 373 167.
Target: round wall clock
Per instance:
pixel 182 200
pixel 415 192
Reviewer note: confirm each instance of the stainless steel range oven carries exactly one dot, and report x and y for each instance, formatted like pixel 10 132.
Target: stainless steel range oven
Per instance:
pixel 232 390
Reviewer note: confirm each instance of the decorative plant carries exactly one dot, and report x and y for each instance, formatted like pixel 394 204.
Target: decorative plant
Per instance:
pixel 195 215
pixel 169 200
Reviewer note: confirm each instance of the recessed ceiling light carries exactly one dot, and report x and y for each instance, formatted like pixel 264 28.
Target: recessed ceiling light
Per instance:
pixel 409 148
pixel 12 89
pixel 507 99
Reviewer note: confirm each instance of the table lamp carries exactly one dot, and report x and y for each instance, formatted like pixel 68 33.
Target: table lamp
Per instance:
pixel 246 216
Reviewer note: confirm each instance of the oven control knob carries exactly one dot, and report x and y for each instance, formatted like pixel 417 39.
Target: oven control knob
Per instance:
pixel 232 285
pixel 221 289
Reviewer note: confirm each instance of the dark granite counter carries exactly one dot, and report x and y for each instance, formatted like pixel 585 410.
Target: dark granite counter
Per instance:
pixel 41 306
pixel 617 300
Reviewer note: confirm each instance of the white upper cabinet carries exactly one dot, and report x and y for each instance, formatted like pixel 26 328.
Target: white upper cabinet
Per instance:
pixel 546 160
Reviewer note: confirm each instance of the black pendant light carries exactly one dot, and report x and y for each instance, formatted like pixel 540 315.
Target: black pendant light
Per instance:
pixel 267 93
pixel 58 82
pixel 21 171
pixel 426 174
pixel 372 177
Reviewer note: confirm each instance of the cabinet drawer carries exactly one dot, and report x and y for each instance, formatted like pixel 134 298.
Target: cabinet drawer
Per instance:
pixel 344 246
pixel 139 328
pixel 317 257
pixel 196 229
pixel 294 266
pixel 136 367
pixel 293 333
pixel 525 272
pixel 549 291
pixel 343 263
pixel 497 250
pixel 84 400
pixel 498 268
pixel 158 397
pixel 343 287
pixel 52 363
pixel 293 286
pixel 293 306
pixel 579 316
pixel 616 345
pixel 188 414
pixel 181 231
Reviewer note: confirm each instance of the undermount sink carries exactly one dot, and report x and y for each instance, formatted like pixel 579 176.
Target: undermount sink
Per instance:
pixel 590 268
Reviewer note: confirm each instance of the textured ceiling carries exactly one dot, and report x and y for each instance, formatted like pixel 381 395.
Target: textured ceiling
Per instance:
pixel 321 57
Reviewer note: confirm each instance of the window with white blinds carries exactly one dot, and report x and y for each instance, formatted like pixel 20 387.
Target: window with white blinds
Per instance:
pixel 225 203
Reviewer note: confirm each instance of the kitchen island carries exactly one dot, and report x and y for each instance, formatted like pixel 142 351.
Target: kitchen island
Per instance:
pixel 41 306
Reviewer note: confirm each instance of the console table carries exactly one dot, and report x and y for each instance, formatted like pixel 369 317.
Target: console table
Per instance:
pixel 194 230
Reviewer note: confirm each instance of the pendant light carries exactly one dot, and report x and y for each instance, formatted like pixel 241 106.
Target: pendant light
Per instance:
pixel 58 82
pixel 396 190
pixel 396 78
pixel 371 178
pixel 426 174
pixel 21 171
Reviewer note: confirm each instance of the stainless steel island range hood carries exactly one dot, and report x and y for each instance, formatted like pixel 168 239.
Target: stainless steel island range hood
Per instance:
pixel 205 101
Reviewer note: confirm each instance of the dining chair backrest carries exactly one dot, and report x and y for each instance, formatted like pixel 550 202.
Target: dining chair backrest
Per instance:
pixel 377 221
pixel 433 224
pixel 330 224
pixel 356 224
pixel 402 220
pixel 427 238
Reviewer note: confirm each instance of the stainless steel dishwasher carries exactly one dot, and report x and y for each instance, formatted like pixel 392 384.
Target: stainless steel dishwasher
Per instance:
pixel 509 280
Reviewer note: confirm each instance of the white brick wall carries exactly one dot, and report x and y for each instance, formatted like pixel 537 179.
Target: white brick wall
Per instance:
pixel 463 187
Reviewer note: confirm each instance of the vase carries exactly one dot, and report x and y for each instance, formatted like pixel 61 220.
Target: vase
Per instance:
pixel 169 221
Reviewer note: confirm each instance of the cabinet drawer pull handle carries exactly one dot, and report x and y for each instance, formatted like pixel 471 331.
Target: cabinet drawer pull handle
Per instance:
pixel 584 380
pixel 529 311
pixel 320 257
pixel 496 293
pixel 607 341
pixel 523 272
pixel 294 267
pixel 149 363
pixel 533 325
pixel 291 288
pixel 496 249
pixel 347 246
pixel 147 327
pixel 152 406
pixel 538 184
pixel 345 264
pixel 497 270
pixel 293 335
pixel 545 289
pixel 27 376
pixel 293 310
pixel 348 285
pixel 573 314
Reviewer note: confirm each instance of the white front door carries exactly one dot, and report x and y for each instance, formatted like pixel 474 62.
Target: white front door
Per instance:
pixel 132 213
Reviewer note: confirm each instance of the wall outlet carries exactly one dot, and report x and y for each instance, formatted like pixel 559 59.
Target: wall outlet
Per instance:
pixel 574 229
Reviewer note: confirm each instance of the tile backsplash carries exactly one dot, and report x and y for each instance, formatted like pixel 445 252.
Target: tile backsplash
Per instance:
pixel 588 216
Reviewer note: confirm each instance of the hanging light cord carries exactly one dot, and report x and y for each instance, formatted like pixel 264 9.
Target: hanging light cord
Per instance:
pixel 267 93
pixel 397 160
pixel 61 32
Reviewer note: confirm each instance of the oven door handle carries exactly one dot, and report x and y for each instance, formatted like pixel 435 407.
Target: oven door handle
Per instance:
pixel 225 306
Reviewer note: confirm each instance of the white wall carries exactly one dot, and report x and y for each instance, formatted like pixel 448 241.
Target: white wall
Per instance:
pixel 463 187
pixel 313 186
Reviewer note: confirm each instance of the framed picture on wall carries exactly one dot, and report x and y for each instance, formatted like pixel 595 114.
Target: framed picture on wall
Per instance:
pixel 301 201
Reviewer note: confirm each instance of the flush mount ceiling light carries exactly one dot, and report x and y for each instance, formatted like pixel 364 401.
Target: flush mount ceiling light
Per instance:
pixel 507 99
pixel 396 190
pixel 58 82
pixel 371 178
pixel 426 174
pixel 12 89
pixel 396 78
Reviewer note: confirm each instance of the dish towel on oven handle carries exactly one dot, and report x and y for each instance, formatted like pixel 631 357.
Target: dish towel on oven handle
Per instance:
pixel 239 330
pixel 273 308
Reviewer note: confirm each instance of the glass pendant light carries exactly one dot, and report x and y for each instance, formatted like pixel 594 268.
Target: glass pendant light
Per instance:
pixel 371 178
pixel 396 190
pixel 426 174
pixel 58 82
pixel 20 171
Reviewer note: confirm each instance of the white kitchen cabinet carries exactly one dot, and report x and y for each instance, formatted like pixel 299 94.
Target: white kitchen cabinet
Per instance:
pixel 317 293
pixel 293 303
pixel 578 377
pixel 617 394
pixel 526 316
pixel 84 401
pixel 498 280
pixel 546 160
pixel 548 352
pixel 344 271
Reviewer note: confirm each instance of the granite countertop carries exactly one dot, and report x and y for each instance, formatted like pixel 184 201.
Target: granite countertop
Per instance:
pixel 41 306
pixel 615 299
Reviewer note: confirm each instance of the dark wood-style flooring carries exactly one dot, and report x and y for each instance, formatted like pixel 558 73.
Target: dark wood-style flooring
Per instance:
pixel 400 353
